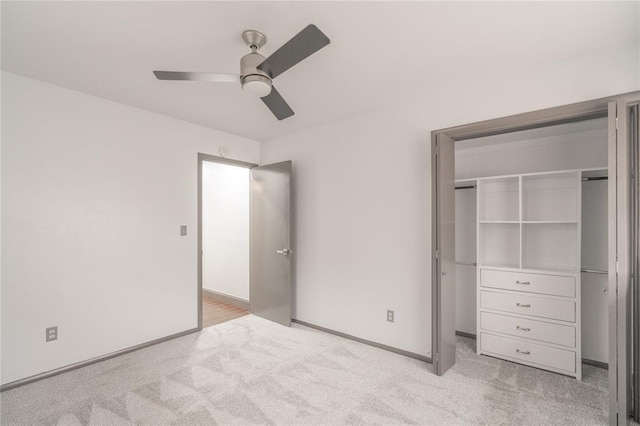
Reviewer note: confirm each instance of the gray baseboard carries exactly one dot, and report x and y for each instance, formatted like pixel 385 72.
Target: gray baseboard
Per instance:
pixel 593 363
pixel 586 361
pixel 366 342
pixel 235 301
pixel 88 362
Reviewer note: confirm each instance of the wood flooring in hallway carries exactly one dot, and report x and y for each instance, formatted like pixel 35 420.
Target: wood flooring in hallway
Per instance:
pixel 215 312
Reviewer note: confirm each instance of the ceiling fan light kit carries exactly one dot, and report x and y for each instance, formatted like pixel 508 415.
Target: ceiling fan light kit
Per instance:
pixel 253 80
pixel 256 72
pixel 256 85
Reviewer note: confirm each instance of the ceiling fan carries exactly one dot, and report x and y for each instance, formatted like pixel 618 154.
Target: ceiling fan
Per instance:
pixel 256 72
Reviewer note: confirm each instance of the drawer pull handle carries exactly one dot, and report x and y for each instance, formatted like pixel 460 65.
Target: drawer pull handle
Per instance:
pixel 523 352
pixel 523 282
pixel 522 328
pixel 523 305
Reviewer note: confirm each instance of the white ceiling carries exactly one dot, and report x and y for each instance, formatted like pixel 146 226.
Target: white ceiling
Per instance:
pixel 381 53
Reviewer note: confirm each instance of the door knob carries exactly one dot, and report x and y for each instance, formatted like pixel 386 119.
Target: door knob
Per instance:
pixel 286 252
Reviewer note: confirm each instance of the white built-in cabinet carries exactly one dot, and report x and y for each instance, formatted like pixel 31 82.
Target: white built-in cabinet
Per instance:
pixel 549 226
pixel 533 234
pixel 528 280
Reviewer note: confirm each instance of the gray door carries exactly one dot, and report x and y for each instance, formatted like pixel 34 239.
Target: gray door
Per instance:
pixel 270 282
pixel 444 315
pixel 623 143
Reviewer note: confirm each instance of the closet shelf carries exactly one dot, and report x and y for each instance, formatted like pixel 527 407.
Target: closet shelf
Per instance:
pixel 499 265
pixel 498 221
pixel 549 221
pixel 550 269
pixel 529 221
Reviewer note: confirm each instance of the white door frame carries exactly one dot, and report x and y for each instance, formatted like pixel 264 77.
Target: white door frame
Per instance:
pixel 614 107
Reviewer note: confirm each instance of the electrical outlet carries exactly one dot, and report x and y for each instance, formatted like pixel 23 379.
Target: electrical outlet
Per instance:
pixel 51 333
pixel 183 230
pixel 390 316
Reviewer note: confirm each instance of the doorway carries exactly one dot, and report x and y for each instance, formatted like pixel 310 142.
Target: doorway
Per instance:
pixel 534 234
pixel 224 239
pixel 244 240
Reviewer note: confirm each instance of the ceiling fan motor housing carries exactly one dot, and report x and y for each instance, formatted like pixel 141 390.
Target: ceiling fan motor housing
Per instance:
pixel 249 72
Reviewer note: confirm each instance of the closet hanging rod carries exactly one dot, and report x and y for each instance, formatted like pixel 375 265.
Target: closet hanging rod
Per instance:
pixel 467 263
pixel 594 271
pixel 585 179
pixel 466 187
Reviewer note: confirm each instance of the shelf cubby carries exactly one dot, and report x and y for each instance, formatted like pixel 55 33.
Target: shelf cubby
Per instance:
pixel 499 244
pixel 499 200
pixel 551 197
pixel 550 246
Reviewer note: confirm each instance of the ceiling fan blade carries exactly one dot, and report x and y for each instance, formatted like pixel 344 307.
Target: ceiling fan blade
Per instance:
pixel 301 46
pixel 277 104
pixel 197 76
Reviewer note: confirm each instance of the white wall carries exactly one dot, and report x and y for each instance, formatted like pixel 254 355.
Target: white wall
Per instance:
pixel 93 196
pixel 225 229
pixel 581 145
pixel 362 229
pixel 362 191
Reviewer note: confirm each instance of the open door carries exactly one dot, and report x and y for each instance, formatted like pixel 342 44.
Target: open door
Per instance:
pixel 444 295
pixel 270 279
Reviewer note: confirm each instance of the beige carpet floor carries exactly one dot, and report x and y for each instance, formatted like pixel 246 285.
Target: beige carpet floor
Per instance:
pixel 252 371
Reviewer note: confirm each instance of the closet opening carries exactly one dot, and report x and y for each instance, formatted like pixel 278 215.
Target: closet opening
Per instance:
pixel 534 255
pixel 531 247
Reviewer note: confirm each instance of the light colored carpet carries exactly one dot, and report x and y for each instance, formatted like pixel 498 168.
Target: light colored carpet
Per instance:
pixel 252 371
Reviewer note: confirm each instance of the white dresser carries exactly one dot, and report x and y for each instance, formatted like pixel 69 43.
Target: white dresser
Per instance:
pixel 528 282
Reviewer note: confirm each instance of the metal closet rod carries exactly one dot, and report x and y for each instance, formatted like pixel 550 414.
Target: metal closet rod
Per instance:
pixel 595 271
pixel 584 179
pixel 588 271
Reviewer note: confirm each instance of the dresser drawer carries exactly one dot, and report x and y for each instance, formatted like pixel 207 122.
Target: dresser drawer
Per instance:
pixel 531 283
pixel 531 329
pixel 530 352
pixel 564 310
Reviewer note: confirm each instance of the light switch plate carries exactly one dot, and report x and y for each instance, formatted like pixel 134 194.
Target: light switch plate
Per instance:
pixel 183 230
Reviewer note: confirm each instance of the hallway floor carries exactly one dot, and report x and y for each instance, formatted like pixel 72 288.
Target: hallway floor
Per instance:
pixel 216 312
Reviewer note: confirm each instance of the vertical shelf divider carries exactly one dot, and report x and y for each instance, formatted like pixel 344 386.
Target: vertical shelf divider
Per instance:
pixel 520 219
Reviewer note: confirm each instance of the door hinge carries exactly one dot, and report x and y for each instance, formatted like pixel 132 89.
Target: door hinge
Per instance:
pixel 437 254
pixel 616 123
pixel 435 357
pixel 437 148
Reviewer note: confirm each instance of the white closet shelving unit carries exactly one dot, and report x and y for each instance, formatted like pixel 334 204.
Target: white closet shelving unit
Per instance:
pixel 528 281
